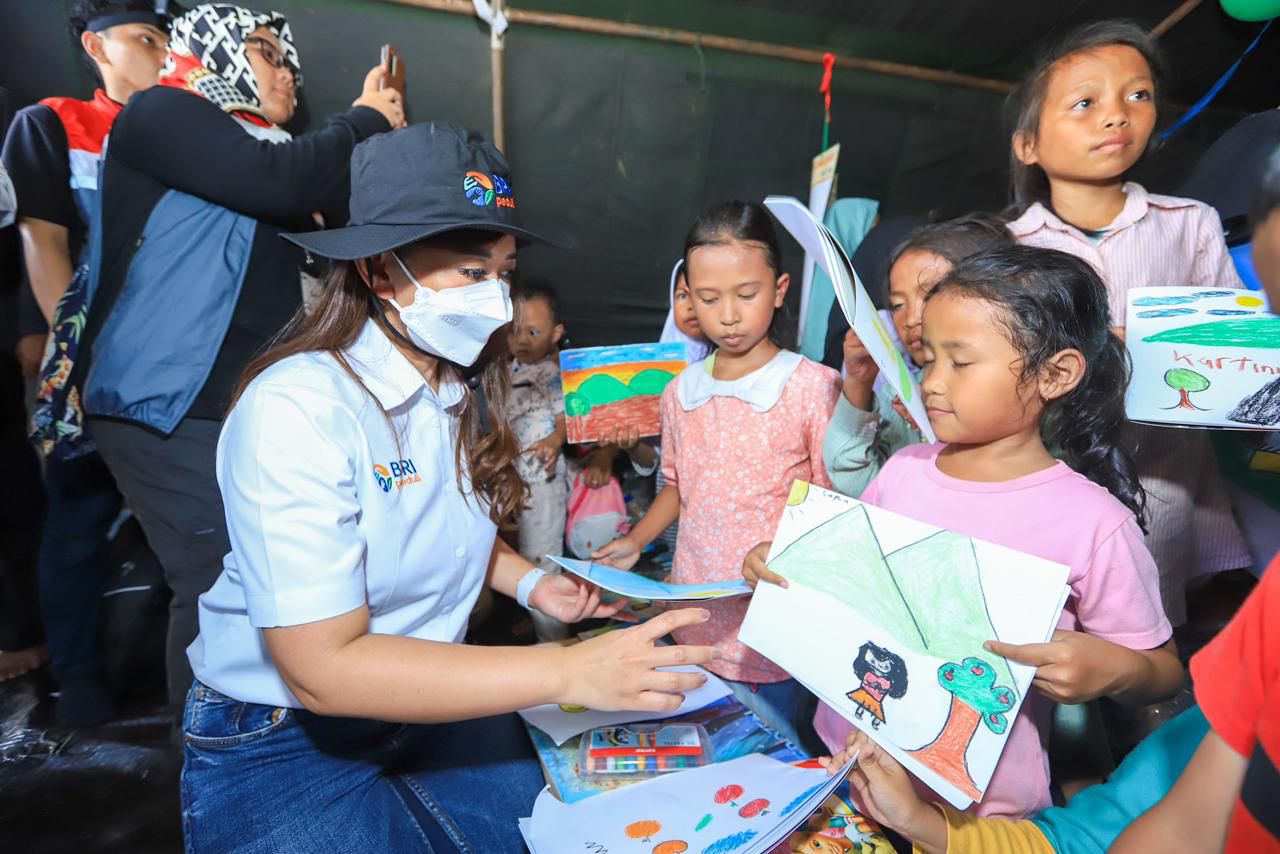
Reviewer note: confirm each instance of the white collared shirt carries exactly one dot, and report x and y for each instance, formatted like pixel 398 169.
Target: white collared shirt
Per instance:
pixel 326 512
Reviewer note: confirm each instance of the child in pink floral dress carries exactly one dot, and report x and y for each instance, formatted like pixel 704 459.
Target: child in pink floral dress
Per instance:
pixel 737 428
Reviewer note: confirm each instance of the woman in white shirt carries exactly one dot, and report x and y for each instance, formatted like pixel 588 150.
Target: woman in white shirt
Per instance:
pixel 335 707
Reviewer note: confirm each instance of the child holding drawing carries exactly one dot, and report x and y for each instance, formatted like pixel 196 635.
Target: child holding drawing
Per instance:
pixel 868 425
pixel 1189 806
pixel 537 417
pixel 737 429
pixel 1086 116
pixel 1019 359
pixel 865 427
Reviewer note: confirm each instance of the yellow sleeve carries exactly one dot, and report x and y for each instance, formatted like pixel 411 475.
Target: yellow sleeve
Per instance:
pixel 968 834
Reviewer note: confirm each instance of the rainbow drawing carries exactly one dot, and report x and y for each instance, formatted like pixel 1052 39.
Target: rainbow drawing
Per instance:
pixel 610 387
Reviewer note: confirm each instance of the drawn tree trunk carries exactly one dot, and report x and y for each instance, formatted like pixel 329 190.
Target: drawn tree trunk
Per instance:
pixel 975 699
pixel 945 754
pixel 1185 382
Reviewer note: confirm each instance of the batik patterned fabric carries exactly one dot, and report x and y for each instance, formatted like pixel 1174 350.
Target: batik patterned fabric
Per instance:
pixel 213 35
pixel 57 422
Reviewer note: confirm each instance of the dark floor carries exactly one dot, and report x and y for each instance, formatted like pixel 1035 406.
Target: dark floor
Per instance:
pixel 114 788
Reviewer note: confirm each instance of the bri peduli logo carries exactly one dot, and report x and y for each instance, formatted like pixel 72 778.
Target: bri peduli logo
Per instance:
pixel 397 473
pixel 483 190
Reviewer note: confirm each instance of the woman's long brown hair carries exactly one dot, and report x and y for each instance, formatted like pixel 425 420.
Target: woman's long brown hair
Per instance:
pixel 334 324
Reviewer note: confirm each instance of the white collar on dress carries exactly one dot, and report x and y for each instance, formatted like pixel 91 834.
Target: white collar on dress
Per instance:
pixel 761 389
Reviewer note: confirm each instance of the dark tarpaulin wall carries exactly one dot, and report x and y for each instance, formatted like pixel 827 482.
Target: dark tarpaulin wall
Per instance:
pixel 619 143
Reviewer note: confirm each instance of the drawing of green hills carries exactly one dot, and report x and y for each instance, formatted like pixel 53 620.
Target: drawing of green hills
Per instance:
pixel 1262 332
pixel 927 595
pixel 603 389
pixel 650 381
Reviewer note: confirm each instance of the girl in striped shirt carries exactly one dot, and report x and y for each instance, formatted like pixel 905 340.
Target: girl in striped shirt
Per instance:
pixel 1086 114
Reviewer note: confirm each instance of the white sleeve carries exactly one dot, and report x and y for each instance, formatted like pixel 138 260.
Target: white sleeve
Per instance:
pixel 289 490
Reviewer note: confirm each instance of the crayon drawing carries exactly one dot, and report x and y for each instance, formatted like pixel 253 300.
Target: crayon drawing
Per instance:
pixel 725 808
pixel 906 609
pixel 610 387
pixel 1216 350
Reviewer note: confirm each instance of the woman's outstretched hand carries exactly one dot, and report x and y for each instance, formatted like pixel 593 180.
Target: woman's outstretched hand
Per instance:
pixel 617 671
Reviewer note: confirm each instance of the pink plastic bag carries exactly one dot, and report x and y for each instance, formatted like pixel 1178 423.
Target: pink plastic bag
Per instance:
pixel 596 517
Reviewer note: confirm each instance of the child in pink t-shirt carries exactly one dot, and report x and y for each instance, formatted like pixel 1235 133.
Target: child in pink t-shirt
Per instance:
pixel 737 429
pixel 1019 359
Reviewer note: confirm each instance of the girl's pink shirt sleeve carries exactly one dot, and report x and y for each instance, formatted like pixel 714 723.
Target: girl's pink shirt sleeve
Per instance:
pixel 1118 595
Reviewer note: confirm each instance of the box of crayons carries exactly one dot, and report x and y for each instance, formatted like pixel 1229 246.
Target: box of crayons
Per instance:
pixel 643 750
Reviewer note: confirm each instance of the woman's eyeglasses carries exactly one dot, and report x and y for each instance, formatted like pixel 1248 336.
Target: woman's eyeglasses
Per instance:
pixel 273 56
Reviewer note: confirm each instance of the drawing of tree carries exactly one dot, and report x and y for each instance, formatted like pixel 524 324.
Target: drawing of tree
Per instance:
pixel 975 698
pixel 1185 382
pixel 576 404
pixel 928 597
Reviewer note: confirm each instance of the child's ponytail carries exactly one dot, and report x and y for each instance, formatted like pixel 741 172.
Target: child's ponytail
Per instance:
pixel 1053 301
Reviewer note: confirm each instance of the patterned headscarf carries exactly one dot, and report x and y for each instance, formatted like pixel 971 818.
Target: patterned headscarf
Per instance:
pixel 212 37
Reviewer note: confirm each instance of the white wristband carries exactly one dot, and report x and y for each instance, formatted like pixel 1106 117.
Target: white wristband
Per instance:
pixel 526 585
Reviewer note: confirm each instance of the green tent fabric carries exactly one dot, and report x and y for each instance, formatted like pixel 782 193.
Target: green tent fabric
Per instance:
pixel 849 220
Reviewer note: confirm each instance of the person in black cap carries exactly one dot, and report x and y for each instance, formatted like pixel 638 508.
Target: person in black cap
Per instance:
pixel 52 151
pixel 335 707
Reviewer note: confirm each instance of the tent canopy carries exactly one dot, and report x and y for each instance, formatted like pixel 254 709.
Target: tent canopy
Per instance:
pixel 620 142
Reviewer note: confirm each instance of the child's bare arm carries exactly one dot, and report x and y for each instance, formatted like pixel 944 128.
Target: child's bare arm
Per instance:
pixel 625 551
pixel 1076 667
pixel 1195 814
pixel 547 449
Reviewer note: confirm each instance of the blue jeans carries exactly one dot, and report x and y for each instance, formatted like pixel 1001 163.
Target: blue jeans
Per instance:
pixel 786 707
pixel 263 779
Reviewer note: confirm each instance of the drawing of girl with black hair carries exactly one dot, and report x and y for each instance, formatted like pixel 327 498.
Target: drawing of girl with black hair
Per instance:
pixel 883 674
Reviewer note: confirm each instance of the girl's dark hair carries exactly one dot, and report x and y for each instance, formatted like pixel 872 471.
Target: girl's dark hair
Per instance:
pixel 1052 301
pixel 1029 183
pixel 953 239
pixel 334 324
pixel 745 222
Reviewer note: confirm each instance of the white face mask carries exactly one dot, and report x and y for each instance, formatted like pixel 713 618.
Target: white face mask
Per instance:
pixel 455 323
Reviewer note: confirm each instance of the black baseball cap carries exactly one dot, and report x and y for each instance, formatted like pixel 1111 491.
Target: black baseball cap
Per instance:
pixel 416 182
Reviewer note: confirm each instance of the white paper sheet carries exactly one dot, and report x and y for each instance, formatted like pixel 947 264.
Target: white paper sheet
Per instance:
pixel 1203 357
pixel 854 301
pixel 744 806
pixel 894 614
pixel 562 723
